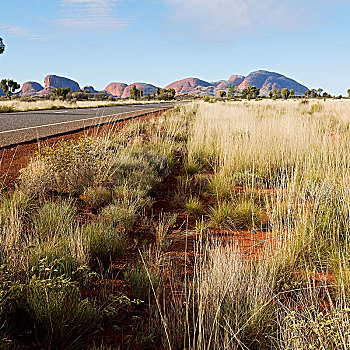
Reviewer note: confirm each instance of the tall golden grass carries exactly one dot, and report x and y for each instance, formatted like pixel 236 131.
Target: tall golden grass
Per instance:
pixel 18 105
pixel 294 294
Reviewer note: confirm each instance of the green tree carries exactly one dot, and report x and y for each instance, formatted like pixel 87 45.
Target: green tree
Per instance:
pixel 158 89
pixel 292 92
pixel 231 91
pixel 285 93
pixel 134 93
pixel 250 92
pixel 319 91
pixel 349 92
pixel 9 86
pixel 307 93
pixel 271 94
pixel 2 46
pixel 61 92
pixel 222 94
pixel 166 95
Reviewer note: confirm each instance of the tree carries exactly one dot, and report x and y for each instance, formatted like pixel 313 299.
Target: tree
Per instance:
pixel 2 46
pixel 292 92
pixel 349 92
pixel 134 93
pixel 9 86
pixel 307 93
pixel 166 95
pixel 285 93
pixel 61 92
pixel 319 91
pixel 231 91
pixel 222 94
pixel 271 94
pixel 250 92
pixel 313 93
pixel 158 89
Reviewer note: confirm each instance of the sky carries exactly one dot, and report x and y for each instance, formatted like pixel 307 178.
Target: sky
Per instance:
pixel 96 42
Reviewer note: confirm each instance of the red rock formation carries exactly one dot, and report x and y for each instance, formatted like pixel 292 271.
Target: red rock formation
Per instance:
pixel 185 86
pixel 147 88
pixel 30 88
pixel 266 81
pixel 90 88
pixel 235 79
pixel 116 89
pixel 56 82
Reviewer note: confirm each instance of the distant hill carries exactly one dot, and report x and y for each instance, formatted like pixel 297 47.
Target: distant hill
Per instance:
pixel 263 80
pixel 30 88
pixel 147 89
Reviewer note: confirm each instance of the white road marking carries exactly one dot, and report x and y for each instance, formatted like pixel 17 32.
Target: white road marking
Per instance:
pixel 77 121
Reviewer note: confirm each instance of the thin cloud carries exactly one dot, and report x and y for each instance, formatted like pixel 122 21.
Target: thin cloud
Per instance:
pixel 91 15
pixel 231 19
pixel 22 32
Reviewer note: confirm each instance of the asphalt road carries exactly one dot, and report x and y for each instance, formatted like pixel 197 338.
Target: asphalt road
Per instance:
pixel 20 127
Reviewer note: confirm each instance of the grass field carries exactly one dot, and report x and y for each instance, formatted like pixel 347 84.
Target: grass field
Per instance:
pixel 213 226
pixel 7 106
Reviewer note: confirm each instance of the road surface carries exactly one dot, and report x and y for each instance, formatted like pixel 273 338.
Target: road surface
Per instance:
pixel 19 127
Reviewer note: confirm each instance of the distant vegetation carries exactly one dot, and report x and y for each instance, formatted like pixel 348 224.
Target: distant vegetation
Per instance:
pixel 251 92
pixel 9 86
pixel 2 46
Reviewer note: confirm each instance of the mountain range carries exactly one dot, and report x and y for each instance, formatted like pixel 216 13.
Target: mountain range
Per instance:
pixel 263 80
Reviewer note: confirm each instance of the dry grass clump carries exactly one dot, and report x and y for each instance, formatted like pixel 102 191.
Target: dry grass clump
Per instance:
pixel 18 105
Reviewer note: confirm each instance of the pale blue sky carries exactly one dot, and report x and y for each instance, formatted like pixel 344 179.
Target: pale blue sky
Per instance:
pixel 159 41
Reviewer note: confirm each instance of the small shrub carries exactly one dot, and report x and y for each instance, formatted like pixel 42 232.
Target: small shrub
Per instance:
pixel 56 256
pixel 61 318
pixel 194 206
pixel 222 186
pixel 313 329
pixel 54 219
pixel 221 214
pixel 121 214
pixel 6 109
pixel 48 312
pixel 246 215
pixel 96 197
pixel 143 280
pixel 162 230
pixel 105 242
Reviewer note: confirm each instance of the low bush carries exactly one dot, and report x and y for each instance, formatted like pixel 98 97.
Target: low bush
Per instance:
pixel 47 312
pixel 54 220
pixel 194 206
pixel 221 214
pixel 162 230
pixel 222 186
pixel 143 281
pixel 246 215
pixel 121 214
pixel 105 242
pixel 96 197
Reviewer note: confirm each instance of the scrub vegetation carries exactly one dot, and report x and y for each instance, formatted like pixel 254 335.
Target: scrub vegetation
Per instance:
pixel 212 226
